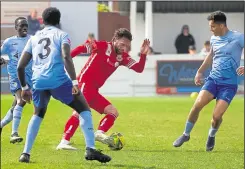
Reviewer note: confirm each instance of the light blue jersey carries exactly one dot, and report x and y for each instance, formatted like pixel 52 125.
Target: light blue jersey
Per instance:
pixel 13 47
pixel 227 51
pixel 48 65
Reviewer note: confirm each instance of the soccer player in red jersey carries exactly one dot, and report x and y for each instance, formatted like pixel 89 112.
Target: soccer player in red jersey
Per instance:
pixel 105 58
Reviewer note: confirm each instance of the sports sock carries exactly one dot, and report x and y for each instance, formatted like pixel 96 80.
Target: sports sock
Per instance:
pixel 212 132
pixel 7 118
pixel 32 130
pixel 86 125
pixel 188 128
pixel 16 118
pixel 71 127
pixel 107 122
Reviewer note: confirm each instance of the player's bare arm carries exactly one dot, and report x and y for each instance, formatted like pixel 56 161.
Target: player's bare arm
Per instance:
pixel 139 67
pixel 24 60
pixel 206 63
pixel 70 67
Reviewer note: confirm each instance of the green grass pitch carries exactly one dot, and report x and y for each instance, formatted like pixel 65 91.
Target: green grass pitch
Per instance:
pixel 149 126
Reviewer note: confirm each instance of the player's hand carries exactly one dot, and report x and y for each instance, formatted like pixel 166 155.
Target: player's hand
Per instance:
pixel 75 90
pixel 145 47
pixel 26 96
pixel 240 71
pixel 198 79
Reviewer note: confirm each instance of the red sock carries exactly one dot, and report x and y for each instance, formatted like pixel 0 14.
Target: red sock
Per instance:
pixel 70 128
pixel 107 122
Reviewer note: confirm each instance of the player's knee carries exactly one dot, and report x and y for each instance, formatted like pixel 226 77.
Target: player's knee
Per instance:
pixel 111 110
pixel 75 114
pixel 115 113
pixel 217 117
pixel 198 105
pixel 21 103
pixel 79 106
pixel 40 112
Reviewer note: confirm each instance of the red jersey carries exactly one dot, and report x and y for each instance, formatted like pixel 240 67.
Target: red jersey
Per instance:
pixel 103 62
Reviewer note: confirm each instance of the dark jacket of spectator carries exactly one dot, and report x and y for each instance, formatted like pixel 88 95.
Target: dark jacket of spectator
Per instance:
pixel 33 25
pixel 184 40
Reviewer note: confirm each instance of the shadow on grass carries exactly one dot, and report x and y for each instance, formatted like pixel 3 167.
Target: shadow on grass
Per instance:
pixel 129 166
pixel 183 150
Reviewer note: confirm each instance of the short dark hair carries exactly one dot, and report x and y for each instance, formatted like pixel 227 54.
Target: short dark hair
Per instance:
pixel 207 43
pixel 192 47
pixel 91 35
pixel 217 17
pixel 17 19
pixel 123 32
pixel 51 16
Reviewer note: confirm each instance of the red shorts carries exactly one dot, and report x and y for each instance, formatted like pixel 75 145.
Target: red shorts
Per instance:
pixel 95 100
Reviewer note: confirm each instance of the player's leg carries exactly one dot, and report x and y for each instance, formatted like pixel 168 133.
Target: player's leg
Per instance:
pixel 9 116
pixel 40 101
pixel 207 94
pixel 224 98
pixel 71 125
pixel 70 128
pixel 17 113
pixel 111 113
pixel 78 103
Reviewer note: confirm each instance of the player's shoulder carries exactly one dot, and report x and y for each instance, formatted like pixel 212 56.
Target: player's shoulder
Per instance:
pixel 236 34
pixel 102 44
pixel 61 31
pixel 10 41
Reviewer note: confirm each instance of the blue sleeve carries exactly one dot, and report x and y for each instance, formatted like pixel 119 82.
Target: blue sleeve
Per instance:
pixel 65 39
pixel 5 47
pixel 28 47
pixel 241 40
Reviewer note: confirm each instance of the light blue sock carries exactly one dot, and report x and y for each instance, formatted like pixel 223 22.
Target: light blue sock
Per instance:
pixel 212 132
pixel 7 118
pixel 32 130
pixel 188 128
pixel 86 125
pixel 16 118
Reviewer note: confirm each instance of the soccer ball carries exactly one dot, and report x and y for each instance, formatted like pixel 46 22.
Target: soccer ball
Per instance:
pixel 118 141
pixel 194 95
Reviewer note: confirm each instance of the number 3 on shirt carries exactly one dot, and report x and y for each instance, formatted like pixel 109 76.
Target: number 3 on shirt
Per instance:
pixel 46 47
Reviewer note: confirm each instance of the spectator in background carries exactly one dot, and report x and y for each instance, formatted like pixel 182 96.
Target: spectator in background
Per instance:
pixel 184 40
pixel 151 52
pixel 206 49
pixel 192 50
pixel 90 38
pixel 33 23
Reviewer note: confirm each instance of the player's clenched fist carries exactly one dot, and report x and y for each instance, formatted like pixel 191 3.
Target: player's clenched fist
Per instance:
pixel 75 90
pixel 198 79
pixel 26 96
pixel 145 47
pixel 240 71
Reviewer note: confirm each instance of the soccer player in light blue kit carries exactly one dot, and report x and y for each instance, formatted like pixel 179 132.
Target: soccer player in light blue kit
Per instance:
pixel 50 51
pixel 13 47
pixel 221 84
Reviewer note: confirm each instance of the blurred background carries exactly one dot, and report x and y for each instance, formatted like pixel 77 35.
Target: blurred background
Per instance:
pixel 178 31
